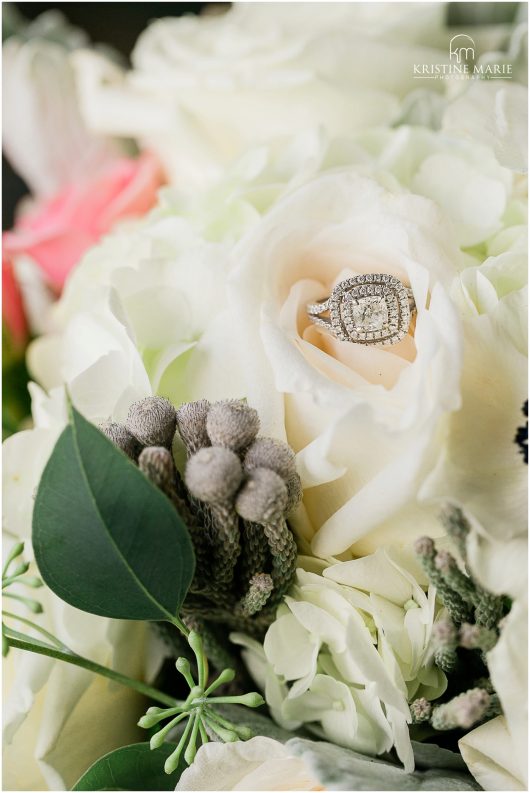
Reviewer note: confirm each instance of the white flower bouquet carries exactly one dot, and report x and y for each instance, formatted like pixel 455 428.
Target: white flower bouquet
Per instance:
pixel 268 295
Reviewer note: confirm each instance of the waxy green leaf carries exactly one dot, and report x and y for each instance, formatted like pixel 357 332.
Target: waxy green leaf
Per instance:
pixel 106 540
pixel 133 767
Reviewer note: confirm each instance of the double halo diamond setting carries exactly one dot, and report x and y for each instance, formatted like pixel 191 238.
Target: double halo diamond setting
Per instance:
pixel 369 309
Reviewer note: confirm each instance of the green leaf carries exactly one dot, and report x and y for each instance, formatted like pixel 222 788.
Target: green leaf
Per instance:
pixel 133 767
pixel 105 539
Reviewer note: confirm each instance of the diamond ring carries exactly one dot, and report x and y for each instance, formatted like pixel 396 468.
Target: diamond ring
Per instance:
pixel 368 309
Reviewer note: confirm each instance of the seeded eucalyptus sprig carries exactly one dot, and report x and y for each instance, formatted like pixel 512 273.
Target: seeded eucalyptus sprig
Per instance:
pixel 14 572
pixel 198 709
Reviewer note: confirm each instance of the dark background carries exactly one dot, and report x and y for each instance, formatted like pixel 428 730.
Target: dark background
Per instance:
pixel 120 24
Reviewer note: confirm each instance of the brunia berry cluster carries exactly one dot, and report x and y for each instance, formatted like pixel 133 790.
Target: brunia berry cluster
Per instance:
pixel 234 495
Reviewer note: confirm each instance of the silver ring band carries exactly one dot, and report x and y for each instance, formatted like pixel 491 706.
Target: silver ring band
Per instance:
pixel 369 309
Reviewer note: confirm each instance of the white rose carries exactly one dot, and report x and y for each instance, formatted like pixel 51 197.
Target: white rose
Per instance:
pixel 349 650
pixel 233 325
pixel 496 115
pixel 478 196
pixel 488 753
pixel 397 23
pixel 367 421
pixel 258 764
pixel 204 89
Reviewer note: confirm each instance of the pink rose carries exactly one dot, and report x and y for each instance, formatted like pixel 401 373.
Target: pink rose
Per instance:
pixel 13 313
pixel 56 232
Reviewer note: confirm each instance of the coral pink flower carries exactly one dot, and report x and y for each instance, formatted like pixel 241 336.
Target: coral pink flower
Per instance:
pixel 13 313
pixel 56 232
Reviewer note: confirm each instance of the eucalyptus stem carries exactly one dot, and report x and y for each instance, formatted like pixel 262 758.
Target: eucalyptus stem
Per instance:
pixel 57 642
pixel 180 625
pixel 92 666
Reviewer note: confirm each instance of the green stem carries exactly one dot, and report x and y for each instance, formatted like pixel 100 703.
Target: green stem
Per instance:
pixel 180 625
pixel 78 660
pixel 15 551
pixel 37 628
pixel 8 581
pixel 213 715
pixel 30 603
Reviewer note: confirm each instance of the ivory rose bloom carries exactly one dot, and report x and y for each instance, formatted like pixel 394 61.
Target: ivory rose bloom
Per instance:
pixel 366 421
pixel 349 650
pixel 488 752
pixel 204 89
pixel 370 424
pixel 244 305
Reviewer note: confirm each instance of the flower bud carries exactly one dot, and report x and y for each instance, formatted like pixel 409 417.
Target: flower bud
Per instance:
pixel 420 710
pixel 444 634
pixel 476 637
pixel 232 424
pixel 294 492
pixel 156 462
pixel 260 588
pixel 226 676
pixel 149 720
pixel 252 700
pixel 245 733
pixel 183 666
pixel 424 546
pixel 443 561
pixel 471 707
pixel 122 438
pixel 263 498
pixel 273 454
pixel 213 474
pixel 227 736
pixel 463 711
pixel 153 421
pixel 191 423
pixel 455 524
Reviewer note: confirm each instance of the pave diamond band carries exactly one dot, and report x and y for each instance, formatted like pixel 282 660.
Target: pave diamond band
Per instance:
pixel 368 309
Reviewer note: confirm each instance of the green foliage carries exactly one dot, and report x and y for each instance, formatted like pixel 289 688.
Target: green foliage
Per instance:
pixel 16 403
pixel 106 540
pixel 133 767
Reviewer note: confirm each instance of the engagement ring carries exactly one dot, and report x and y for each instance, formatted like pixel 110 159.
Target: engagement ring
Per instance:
pixel 368 309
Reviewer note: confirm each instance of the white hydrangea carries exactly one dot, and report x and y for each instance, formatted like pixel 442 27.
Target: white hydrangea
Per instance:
pixel 348 651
